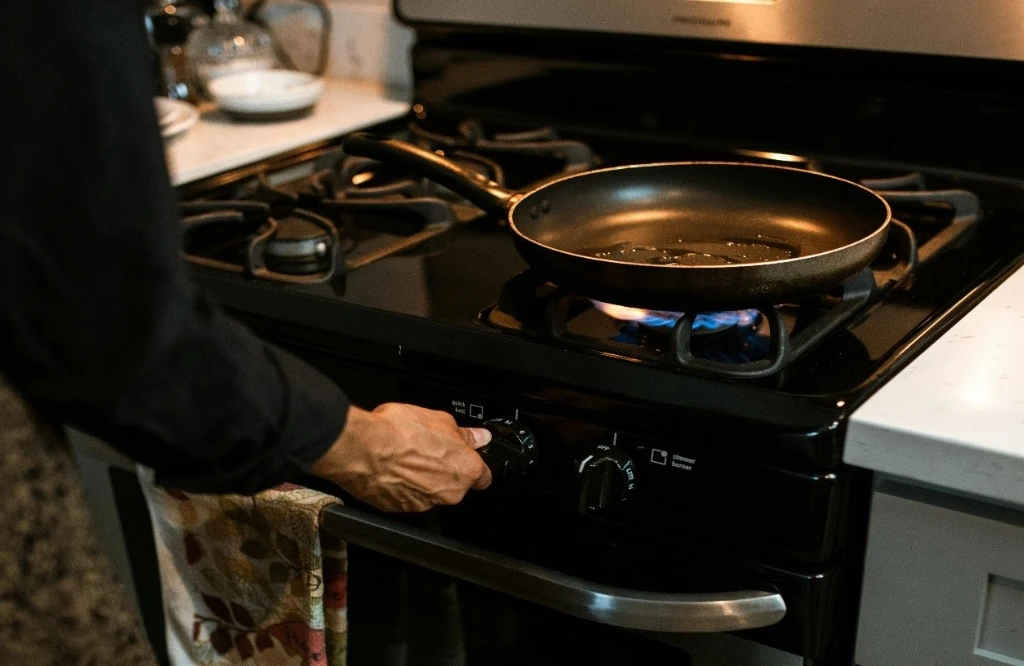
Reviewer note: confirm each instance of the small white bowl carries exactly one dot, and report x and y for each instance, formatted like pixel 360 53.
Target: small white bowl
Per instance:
pixel 266 93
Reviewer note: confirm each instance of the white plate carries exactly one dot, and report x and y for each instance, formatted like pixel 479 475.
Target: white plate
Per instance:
pixel 174 116
pixel 266 91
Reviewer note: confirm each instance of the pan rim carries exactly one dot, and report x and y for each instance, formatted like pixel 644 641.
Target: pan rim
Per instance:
pixel 519 198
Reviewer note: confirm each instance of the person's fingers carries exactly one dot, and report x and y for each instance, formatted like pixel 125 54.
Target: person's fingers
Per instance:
pixel 451 497
pixel 479 472
pixel 484 479
pixel 476 437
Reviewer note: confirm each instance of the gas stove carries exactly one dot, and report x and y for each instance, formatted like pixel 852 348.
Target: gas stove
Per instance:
pixel 673 450
pixel 331 225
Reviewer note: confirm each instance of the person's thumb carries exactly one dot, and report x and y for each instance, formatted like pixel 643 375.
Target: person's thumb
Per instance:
pixel 476 437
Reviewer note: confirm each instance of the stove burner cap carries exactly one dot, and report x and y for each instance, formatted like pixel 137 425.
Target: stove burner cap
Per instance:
pixel 711 322
pixel 299 247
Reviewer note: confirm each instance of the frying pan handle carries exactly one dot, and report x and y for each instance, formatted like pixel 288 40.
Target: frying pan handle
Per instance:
pixel 480 190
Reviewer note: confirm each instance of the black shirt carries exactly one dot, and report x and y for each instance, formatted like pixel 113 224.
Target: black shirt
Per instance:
pixel 100 326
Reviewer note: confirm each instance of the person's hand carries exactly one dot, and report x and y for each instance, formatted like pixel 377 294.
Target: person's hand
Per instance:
pixel 405 458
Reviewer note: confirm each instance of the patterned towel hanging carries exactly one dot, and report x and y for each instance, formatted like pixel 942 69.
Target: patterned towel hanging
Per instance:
pixel 249 579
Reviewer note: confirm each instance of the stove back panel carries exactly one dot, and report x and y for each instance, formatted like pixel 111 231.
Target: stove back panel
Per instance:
pixel 990 29
pixel 921 111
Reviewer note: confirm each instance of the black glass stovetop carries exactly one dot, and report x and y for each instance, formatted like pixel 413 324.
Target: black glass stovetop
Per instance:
pixel 462 299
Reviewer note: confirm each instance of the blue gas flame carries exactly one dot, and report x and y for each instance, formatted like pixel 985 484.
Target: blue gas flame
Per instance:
pixel 703 323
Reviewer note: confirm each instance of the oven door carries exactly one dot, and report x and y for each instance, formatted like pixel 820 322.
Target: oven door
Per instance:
pixel 421 593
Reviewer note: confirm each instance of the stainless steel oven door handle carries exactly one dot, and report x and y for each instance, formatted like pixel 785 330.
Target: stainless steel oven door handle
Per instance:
pixel 629 609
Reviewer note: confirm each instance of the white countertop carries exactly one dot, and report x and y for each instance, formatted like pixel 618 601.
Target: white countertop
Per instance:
pixel 216 144
pixel 954 417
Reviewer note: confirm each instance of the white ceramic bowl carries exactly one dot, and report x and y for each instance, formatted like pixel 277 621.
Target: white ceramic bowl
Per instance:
pixel 269 91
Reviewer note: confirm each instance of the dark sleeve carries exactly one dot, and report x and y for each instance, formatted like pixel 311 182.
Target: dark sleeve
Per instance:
pixel 100 326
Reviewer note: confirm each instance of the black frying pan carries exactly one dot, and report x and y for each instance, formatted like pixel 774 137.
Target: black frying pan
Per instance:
pixel 698 235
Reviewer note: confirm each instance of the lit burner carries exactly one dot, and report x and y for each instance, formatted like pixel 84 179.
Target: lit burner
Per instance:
pixel 704 323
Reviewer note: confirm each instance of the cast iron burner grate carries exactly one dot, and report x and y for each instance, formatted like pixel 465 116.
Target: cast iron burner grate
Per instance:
pixel 307 237
pixel 538 155
pixel 248 237
pixel 779 333
pixel 352 211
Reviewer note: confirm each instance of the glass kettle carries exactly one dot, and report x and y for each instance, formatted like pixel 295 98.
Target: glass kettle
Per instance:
pixel 226 44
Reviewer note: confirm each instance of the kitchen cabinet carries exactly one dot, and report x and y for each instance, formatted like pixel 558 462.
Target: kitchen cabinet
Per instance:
pixel 943 582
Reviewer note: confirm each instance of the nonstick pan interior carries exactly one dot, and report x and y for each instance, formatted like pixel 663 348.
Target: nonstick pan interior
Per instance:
pixel 704 206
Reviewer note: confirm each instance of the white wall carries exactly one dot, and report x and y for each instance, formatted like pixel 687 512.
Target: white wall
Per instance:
pixel 367 43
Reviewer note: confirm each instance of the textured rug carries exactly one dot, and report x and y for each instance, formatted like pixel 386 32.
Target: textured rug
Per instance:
pixel 60 602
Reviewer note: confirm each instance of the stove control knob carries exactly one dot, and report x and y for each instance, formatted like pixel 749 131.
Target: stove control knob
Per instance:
pixel 608 478
pixel 512 449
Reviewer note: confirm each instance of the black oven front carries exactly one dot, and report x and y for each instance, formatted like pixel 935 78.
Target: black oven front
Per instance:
pixel 526 573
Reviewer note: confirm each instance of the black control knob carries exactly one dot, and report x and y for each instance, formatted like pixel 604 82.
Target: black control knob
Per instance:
pixel 608 478
pixel 512 449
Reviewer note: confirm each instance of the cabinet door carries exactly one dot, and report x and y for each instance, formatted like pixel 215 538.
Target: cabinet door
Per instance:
pixel 943 583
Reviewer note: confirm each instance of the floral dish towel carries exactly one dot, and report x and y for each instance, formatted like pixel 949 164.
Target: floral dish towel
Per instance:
pixel 249 580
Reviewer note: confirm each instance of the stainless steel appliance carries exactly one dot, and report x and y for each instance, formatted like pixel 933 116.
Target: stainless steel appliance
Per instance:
pixel 989 29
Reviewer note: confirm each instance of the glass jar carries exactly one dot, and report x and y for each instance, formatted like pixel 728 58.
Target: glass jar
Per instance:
pixel 226 43
pixel 168 24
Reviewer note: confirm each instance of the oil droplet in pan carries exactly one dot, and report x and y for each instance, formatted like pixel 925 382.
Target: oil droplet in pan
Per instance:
pixel 699 253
